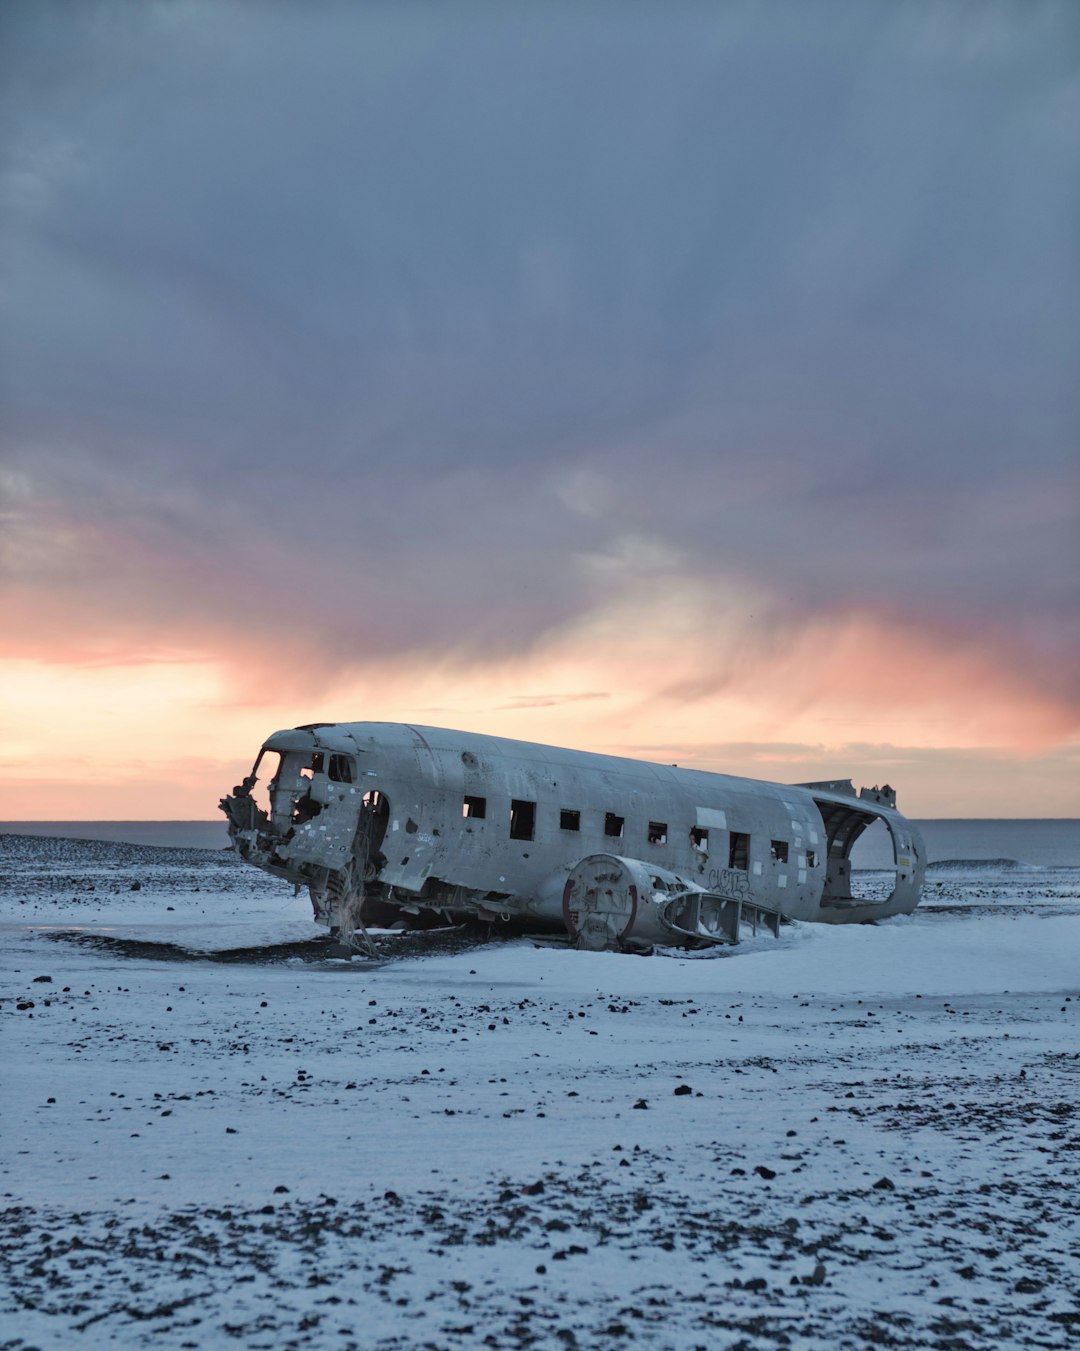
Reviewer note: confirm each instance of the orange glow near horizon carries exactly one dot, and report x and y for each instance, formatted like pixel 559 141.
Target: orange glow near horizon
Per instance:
pixel 163 740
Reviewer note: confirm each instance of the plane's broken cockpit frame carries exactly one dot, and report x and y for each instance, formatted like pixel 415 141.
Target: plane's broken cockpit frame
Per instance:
pixel 318 830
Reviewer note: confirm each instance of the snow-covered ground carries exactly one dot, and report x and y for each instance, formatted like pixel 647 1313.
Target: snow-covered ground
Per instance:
pixel 845 1138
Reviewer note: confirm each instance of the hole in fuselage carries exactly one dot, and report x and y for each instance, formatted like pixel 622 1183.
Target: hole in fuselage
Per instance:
pixel 873 864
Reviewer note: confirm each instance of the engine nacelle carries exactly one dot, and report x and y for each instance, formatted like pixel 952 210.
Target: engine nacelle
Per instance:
pixel 614 904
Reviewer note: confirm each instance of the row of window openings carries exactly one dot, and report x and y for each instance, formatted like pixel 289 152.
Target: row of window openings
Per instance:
pixel 523 827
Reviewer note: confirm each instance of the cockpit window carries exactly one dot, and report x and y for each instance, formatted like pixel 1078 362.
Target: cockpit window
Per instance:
pixel 263 777
pixel 341 769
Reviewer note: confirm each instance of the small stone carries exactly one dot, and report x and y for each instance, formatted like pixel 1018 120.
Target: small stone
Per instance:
pixel 885 1184
pixel 767 1173
pixel 683 1091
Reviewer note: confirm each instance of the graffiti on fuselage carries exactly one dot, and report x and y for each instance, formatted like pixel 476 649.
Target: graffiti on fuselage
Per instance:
pixel 729 882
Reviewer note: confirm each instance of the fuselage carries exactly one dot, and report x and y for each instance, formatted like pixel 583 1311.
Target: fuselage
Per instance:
pixel 485 825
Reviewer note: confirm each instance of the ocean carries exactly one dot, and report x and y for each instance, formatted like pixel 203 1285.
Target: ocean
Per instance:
pixel 1044 844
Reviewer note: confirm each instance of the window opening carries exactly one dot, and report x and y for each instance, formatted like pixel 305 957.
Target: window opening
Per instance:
pixel 341 769
pixel 699 839
pixel 778 851
pixel 613 825
pixel 569 820
pixel 811 858
pixel 474 807
pixel 658 832
pixel 522 819
pixel 269 762
pixel 739 851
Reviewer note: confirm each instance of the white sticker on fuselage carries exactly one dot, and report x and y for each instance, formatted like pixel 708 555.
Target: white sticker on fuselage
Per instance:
pixel 710 817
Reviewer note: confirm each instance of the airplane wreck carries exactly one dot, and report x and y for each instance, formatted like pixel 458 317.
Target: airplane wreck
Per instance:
pixel 386 821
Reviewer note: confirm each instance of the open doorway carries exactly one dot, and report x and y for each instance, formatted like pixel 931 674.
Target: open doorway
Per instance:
pixel 373 822
pixel 860 856
pixel 873 864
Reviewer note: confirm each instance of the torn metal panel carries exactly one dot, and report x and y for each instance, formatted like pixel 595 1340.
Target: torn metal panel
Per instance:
pixel 384 819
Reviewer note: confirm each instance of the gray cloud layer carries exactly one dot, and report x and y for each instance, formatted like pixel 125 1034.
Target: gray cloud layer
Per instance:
pixel 326 313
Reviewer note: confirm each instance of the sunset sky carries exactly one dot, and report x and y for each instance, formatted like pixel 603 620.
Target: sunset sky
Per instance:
pixel 696 382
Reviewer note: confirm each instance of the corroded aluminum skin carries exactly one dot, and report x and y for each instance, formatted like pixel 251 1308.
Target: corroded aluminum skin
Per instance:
pixel 431 855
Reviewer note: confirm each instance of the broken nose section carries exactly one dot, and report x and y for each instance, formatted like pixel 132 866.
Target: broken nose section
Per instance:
pixel 315 836
pixel 246 818
pixel 317 830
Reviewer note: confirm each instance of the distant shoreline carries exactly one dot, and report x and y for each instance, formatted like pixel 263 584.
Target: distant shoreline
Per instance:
pixel 1035 841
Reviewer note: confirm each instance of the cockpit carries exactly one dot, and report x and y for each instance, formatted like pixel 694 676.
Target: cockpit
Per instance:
pixel 296 784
